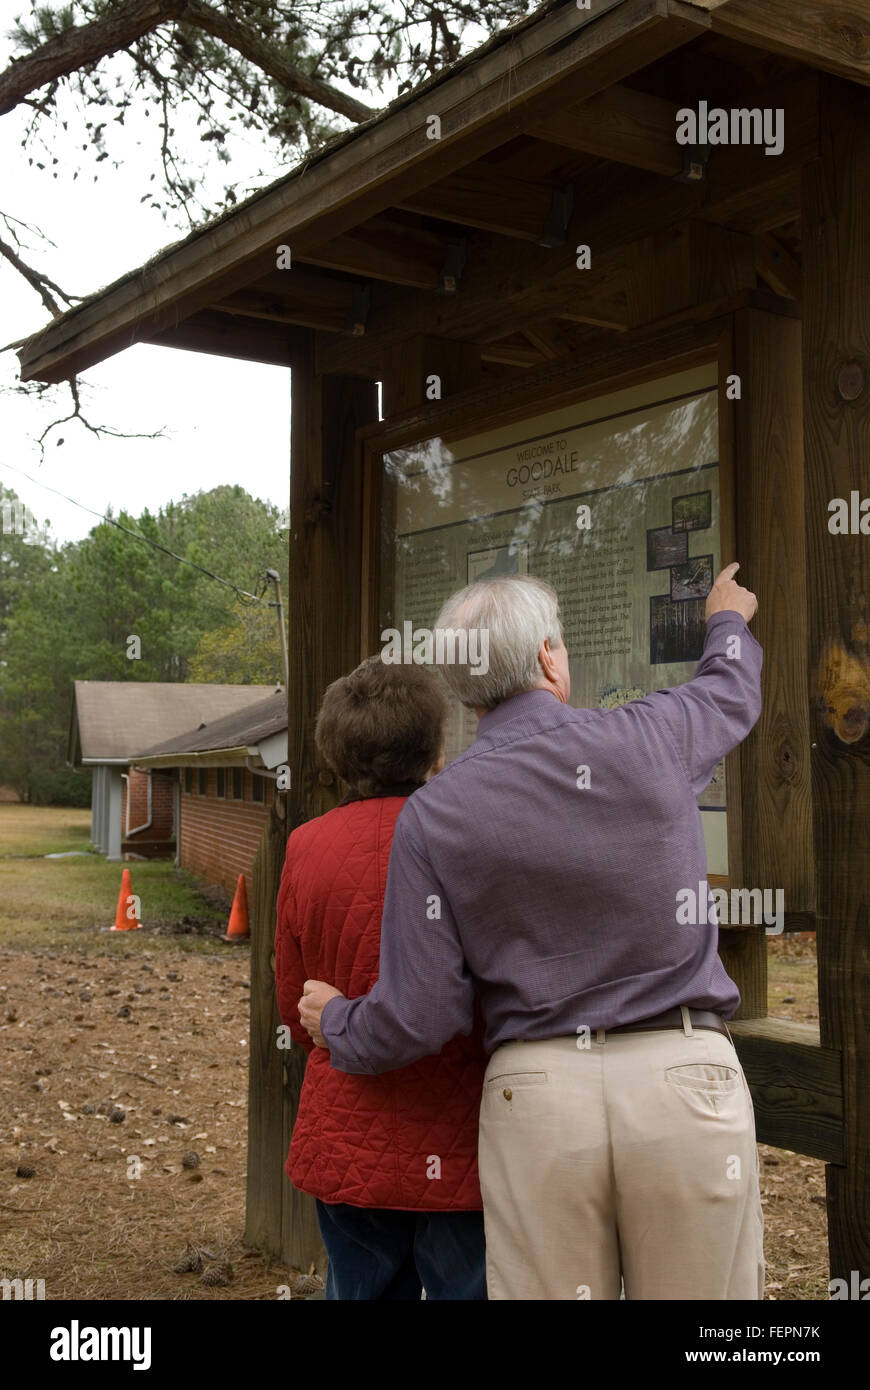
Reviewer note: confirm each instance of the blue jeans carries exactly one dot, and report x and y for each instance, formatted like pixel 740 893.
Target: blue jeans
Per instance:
pixel 379 1253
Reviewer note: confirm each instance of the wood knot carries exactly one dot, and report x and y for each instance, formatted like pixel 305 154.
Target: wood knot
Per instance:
pixel 317 507
pixel 853 39
pixel 850 381
pixel 786 761
pixel 844 692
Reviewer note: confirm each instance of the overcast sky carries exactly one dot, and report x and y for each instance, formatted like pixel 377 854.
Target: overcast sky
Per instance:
pixel 225 421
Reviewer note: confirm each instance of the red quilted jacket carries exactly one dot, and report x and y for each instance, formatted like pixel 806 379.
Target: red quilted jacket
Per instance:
pixel 406 1139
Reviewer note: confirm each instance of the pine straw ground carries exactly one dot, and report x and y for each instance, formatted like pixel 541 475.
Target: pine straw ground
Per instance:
pixel 151 1066
pixel 176 1066
pixel 154 1027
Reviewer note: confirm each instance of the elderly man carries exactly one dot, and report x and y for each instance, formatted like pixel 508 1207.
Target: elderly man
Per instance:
pixel 547 871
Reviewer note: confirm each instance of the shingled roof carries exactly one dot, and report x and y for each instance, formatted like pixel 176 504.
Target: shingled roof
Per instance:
pixel 243 729
pixel 113 720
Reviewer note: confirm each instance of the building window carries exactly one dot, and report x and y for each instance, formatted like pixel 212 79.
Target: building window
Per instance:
pixel 188 780
pixel 238 784
pixel 221 782
pixel 203 781
pixel 258 788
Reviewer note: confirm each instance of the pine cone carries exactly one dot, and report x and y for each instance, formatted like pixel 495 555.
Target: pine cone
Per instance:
pixel 306 1284
pixel 218 1276
pixel 190 1262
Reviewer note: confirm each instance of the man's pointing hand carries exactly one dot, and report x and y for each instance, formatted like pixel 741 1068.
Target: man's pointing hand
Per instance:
pixel 315 996
pixel 726 595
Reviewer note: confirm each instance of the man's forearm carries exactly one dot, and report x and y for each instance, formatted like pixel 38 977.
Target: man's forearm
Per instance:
pixel 356 1047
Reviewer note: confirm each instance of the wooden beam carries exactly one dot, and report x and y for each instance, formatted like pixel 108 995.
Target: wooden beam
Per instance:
pixel 481 196
pixel 796 1086
pixel 750 191
pixel 506 283
pixel 565 54
pixel 836 310
pixel 515 351
pixel 679 267
pixel 548 338
pixel 833 37
pixel 383 249
pixel 601 302
pixel 250 305
pixel 427 369
pixel 606 360
pixel 621 124
pixel 554 338
pixel 251 340
pixel 778 266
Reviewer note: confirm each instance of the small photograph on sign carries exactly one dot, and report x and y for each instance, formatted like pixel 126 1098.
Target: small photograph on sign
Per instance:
pixel 694 579
pixel 676 630
pixel 664 548
pixel 501 560
pixel 692 512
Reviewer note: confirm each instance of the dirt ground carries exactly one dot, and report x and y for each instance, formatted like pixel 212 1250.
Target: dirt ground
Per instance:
pixel 123 1126
pixel 137 1062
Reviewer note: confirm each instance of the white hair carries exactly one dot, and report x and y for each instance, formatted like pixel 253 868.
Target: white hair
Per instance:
pixel 517 612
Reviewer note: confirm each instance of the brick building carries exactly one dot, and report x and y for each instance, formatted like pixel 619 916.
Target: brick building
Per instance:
pixel 134 811
pixel 225 774
pixel 147 814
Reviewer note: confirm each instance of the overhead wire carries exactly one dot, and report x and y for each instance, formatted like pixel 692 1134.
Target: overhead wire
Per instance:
pixel 242 594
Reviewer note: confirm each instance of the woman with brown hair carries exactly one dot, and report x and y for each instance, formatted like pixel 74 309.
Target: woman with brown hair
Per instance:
pixel 392 1159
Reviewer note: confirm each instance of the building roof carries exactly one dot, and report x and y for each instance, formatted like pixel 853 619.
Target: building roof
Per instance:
pixel 113 720
pixel 558 129
pixel 234 735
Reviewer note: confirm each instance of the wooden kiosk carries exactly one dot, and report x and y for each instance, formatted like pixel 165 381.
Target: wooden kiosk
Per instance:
pixel 539 272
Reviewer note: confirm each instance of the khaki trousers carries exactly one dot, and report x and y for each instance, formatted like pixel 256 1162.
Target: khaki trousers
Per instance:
pixel 630 1158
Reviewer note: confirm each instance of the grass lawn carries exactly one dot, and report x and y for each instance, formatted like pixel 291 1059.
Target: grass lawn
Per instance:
pixel 37 830
pixel 46 903
pixel 792 980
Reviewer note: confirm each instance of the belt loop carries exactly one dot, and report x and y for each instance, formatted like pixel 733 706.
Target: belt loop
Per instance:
pixel 599 1035
pixel 687 1022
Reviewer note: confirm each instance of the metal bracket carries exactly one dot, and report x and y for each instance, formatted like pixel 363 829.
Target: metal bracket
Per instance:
pixel 695 161
pixel 555 231
pixel 454 264
pixel 358 316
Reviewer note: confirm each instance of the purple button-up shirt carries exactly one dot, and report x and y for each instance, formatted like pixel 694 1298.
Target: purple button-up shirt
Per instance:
pixel 546 867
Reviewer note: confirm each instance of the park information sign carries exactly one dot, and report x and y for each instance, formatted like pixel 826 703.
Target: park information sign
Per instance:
pixel 614 501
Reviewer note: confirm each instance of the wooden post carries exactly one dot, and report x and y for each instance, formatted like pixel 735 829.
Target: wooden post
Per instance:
pixel 267 1140
pixel 836 254
pixel 774 825
pixel 325 616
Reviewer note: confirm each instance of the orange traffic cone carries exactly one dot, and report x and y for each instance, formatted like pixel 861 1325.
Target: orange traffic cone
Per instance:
pixel 127 911
pixel 238 929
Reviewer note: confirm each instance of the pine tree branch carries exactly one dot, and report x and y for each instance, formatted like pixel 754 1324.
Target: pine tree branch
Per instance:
pixel 80 45
pixel 35 280
pixel 249 44
pixel 87 43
